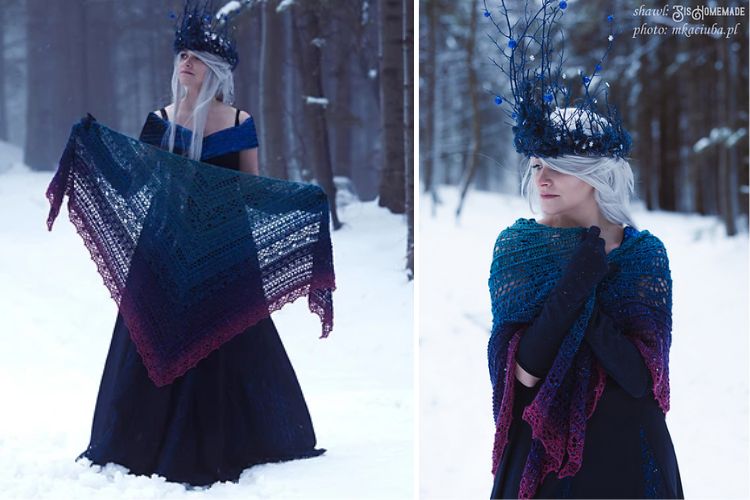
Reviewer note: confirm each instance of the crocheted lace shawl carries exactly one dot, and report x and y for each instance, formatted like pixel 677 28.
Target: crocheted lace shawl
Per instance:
pixel 528 260
pixel 192 254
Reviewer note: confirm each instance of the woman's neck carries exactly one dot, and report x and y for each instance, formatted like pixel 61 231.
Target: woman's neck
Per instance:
pixel 611 232
pixel 188 102
pixel 576 220
pixel 585 214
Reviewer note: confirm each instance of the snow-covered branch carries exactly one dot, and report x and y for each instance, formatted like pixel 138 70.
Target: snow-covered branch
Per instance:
pixel 316 101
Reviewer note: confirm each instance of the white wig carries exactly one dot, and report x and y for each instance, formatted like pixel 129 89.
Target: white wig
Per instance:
pixel 218 83
pixel 611 177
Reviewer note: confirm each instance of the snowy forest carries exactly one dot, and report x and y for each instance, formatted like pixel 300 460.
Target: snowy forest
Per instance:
pixel 326 84
pixel 684 99
pixel 324 80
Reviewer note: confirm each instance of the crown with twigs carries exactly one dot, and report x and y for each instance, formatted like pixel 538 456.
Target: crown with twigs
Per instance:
pixel 547 120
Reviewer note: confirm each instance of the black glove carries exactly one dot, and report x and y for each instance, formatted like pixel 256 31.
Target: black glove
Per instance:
pixel 620 358
pixel 541 340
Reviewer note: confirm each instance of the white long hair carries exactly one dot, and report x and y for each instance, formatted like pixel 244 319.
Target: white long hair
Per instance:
pixel 218 83
pixel 611 177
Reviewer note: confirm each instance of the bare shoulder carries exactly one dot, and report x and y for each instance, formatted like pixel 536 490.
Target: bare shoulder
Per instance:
pixel 226 113
pixel 168 108
pixel 230 112
pixel 222 109
pixel 244 115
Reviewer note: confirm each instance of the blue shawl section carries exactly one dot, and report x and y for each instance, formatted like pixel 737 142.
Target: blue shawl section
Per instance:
pixel 193 254
pixel 529 259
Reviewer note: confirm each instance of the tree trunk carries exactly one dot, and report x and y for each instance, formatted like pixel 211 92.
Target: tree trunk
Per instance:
pixel 292 106
pixel 272 158
pixel 644 140
pixel 472 156
pixel 157 75
pixel 709 170
pixel 695 118
pixel 669 142
pixel 408 66
pixel 98 75
pixel 733 94
pixel 392 182
pixel 426 145
pixel 727 174
pixel 3 97
pixel 310 42
pixel 743 87
pixel 55 76
pixel 344 119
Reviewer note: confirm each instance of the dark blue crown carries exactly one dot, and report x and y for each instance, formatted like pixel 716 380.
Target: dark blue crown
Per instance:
pixel 199 30
pixel 548 120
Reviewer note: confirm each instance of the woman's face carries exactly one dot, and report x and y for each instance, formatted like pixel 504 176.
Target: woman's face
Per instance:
pixel 191 69
pixel 560 193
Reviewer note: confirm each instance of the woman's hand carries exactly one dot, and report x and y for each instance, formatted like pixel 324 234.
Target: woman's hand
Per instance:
pixel 587 266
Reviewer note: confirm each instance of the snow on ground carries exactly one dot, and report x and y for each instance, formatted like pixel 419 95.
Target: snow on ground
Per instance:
pixel 10 155
pixel 708 420
pixel 57 325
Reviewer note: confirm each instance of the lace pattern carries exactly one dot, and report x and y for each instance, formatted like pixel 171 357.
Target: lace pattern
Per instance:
pixel 192 254
pixel 528 260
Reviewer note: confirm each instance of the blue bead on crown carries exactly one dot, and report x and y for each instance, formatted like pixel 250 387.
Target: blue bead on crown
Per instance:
pixel 198 30
pixel 547 120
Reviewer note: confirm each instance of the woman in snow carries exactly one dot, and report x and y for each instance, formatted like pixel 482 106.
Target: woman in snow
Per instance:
pixel 241 404
pixel 581 300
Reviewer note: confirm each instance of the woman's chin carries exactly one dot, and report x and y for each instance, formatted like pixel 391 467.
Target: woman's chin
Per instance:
pixel 550 206
pixel 548 211
pixel 188 81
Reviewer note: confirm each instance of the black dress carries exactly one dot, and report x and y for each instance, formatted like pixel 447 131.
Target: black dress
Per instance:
pixel 628 452
pixel 240 406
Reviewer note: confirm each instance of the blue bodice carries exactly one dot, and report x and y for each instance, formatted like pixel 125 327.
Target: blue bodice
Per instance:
pixel 223 142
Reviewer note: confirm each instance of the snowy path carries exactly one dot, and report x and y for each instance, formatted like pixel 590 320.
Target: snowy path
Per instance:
pixel 57 324
pixel 708 419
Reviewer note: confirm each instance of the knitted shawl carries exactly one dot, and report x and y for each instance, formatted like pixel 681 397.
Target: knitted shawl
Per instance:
pixel 529 258
pixel 193 254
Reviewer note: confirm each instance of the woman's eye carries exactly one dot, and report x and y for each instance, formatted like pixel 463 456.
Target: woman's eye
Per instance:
pixel 183 56
pixel 535 166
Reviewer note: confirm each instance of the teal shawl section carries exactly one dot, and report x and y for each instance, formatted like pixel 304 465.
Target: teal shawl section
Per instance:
pixel 528 261
pixel 193 254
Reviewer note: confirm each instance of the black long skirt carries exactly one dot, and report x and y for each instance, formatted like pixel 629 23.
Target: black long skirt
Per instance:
pixel 240 406
pixel 628 452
